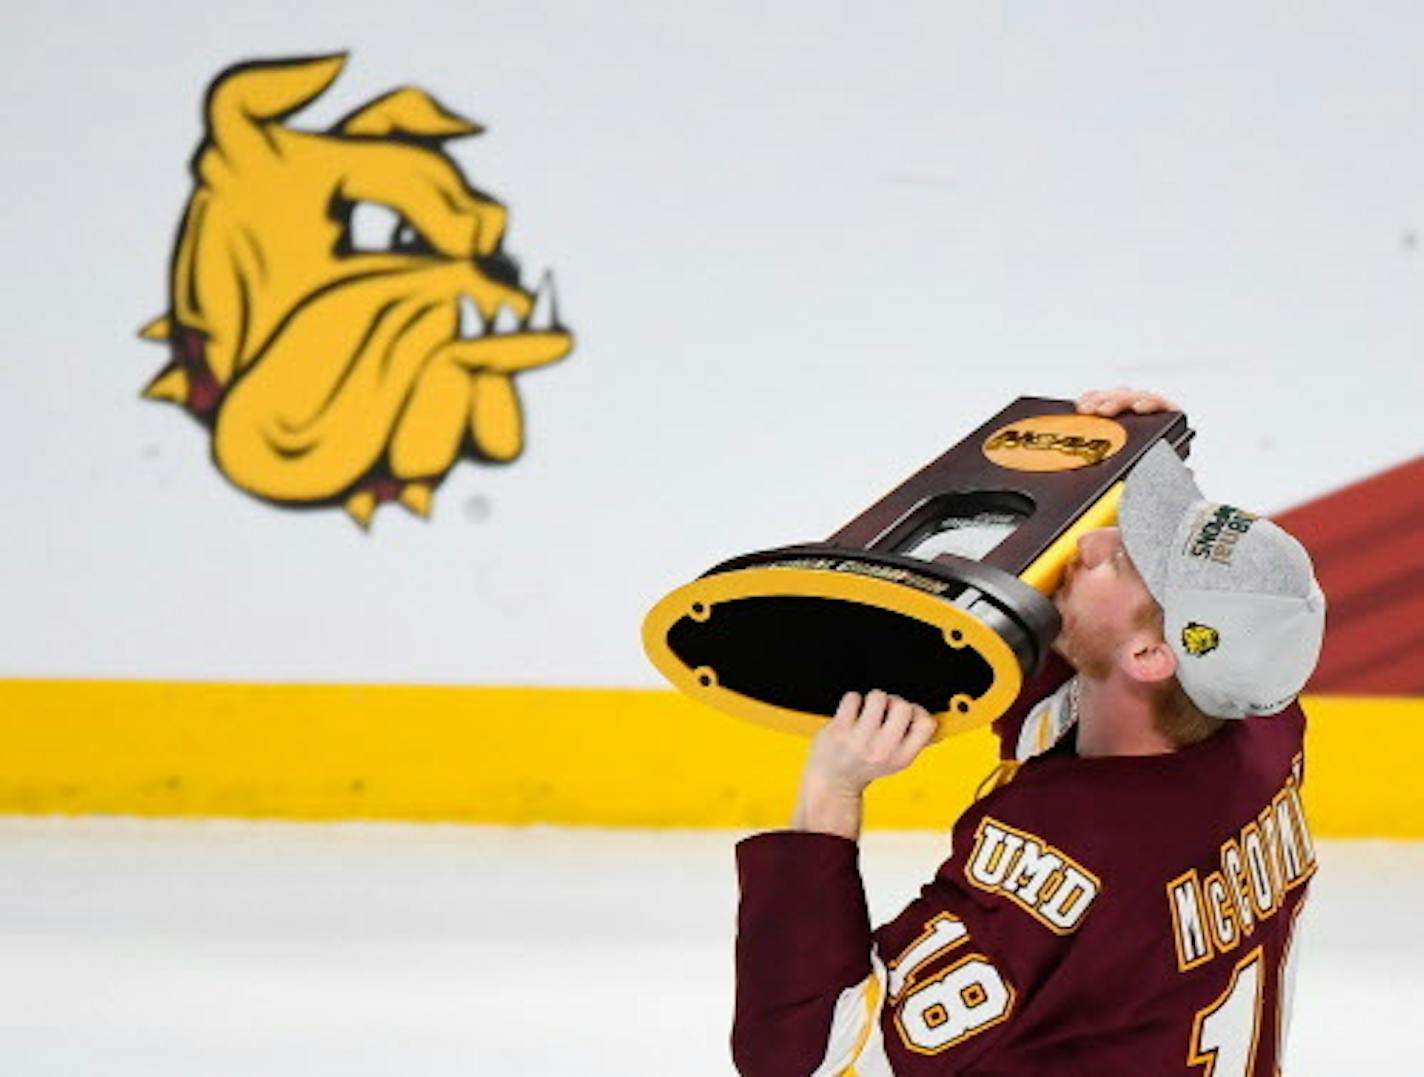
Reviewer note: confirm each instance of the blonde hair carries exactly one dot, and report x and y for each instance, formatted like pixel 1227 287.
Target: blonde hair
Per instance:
pixel 1179 719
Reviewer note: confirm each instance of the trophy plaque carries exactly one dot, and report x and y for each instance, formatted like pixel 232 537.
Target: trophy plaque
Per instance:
pixel 939 592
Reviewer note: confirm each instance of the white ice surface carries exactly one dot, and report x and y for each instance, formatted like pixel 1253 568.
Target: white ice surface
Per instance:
pixel 223 948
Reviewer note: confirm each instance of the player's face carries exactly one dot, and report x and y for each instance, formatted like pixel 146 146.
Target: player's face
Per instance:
pixel 1101 600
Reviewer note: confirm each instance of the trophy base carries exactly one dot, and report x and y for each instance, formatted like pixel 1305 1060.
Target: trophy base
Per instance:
pixel 778 637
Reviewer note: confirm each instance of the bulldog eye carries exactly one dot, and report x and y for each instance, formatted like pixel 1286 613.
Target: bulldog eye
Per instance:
pixel 408 240
pixel 375 228
pixel 406 236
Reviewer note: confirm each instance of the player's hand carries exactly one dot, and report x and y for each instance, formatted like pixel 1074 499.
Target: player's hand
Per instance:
pixel 1110 402
pixel 867 738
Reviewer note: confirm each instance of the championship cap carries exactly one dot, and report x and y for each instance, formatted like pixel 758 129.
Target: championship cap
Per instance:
pixel 1240 604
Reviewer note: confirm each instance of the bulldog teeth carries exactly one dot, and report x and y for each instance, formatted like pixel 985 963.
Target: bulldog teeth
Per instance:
pixel 472 323
pixel 505 320
pixel 541 317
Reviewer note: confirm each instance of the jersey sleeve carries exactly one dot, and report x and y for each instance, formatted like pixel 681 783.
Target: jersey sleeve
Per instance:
pixel 803 940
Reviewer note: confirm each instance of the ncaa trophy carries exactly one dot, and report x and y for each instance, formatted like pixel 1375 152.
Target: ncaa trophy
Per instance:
pixel 938 592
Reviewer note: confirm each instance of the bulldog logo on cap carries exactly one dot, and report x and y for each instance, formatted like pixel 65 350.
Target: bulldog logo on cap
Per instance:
pixel 343 316
pixel 1200 639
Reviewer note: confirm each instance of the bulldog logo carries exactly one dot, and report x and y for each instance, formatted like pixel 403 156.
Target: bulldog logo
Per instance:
pixel 343 316
pixel 1198 640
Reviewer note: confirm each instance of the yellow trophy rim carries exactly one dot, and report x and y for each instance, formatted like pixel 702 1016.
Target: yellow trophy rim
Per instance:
pixel 960 628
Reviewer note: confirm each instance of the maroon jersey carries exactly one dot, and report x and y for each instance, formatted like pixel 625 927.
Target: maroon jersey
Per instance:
pixel 1106 915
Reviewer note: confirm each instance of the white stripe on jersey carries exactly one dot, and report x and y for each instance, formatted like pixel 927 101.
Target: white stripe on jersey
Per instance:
pixel 855 1046
pixel 1045 725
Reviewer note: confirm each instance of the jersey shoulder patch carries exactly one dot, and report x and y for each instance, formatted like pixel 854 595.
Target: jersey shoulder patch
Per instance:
pixel 1044 881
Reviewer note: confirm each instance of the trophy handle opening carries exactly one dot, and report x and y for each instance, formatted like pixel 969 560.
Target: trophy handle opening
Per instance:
pixel 967 524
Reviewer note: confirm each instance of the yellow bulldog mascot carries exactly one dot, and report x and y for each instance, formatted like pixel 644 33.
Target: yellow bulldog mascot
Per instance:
pixel 342 314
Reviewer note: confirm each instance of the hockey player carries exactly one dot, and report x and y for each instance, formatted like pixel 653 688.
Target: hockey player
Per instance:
pixel 1123 900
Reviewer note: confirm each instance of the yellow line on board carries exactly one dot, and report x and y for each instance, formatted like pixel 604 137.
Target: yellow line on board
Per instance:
pixel 609 757
pixel 1361 768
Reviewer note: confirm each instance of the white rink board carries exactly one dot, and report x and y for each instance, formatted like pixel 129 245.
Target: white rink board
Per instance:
pixel 804 248
pixel 220 948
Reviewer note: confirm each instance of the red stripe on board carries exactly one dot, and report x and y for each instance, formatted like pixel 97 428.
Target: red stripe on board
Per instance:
pixel 1388 662
pixel 1406 522
pixel 1354 647
pixel 1403 586
pixel 1398 678
pixel 1367 542
pixel 1380 501
pixel 1344 578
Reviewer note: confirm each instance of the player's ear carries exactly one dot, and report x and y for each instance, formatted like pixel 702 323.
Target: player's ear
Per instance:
pixel 1149 658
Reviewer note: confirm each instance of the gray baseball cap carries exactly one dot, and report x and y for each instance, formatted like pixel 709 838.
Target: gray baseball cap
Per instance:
pixel 1240 603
